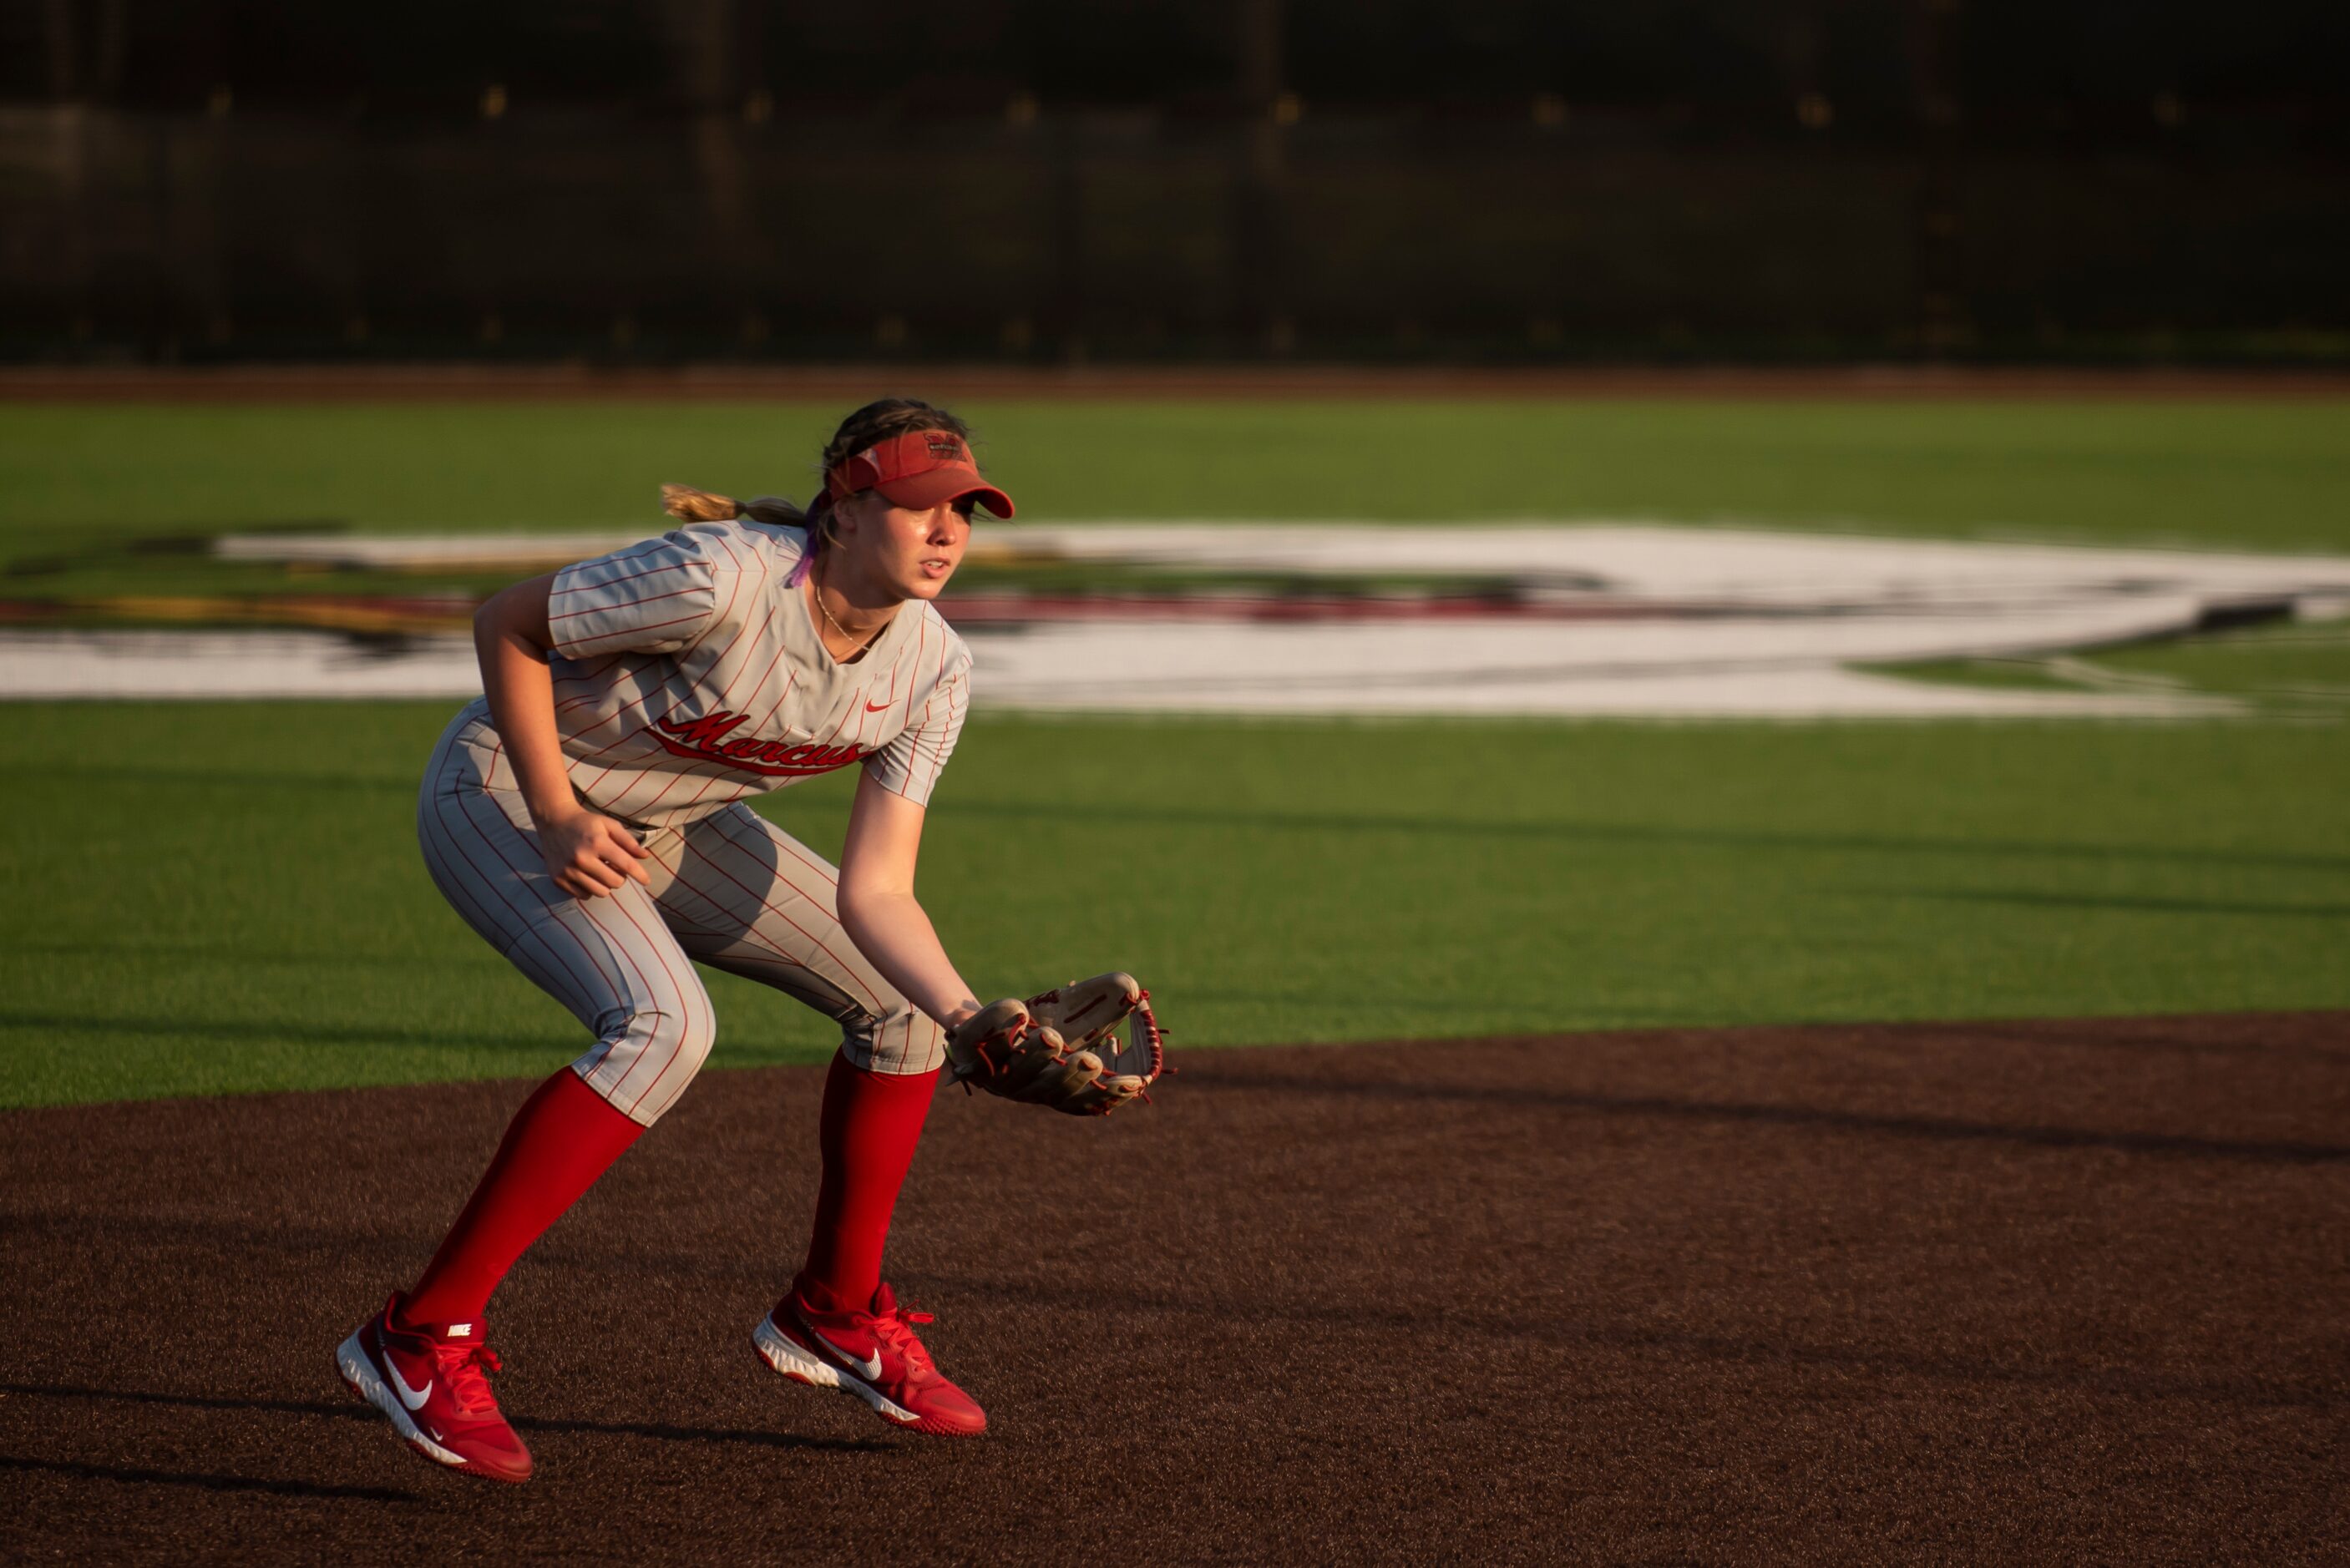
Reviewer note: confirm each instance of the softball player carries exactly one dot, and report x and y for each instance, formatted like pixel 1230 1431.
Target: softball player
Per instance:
pixel 587 817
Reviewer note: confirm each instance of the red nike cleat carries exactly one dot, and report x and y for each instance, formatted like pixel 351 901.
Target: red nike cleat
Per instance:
pixel 431 1384
pixel 872 1355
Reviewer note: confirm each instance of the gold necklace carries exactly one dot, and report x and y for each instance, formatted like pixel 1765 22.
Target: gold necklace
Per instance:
pixel 857 644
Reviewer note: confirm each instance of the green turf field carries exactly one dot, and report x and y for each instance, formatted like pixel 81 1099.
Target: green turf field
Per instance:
pixel 2286 668
pixel 79 484
pixel 228 898
pixel 224 898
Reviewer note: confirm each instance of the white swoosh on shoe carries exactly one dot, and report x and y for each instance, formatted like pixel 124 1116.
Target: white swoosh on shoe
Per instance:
pixel 412 1397
pixel 870 1367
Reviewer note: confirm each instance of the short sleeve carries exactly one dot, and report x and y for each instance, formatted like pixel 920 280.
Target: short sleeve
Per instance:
pixel 911 764
pixel 653 598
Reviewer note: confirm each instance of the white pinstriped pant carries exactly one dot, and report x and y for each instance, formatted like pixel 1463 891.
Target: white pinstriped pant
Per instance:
pixel 731 890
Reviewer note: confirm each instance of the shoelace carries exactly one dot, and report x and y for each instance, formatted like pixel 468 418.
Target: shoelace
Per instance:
pixel 462 1370
pixel 893 1332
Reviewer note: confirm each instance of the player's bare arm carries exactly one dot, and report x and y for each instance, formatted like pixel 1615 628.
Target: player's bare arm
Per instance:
pixel 880 911
pixel 587 853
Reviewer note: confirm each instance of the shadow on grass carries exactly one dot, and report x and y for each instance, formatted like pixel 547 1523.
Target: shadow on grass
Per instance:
pixel 1631 834
pixel 242 955
pixel 185 776
pixel 1110 814
pixel 2130 904
pixel 1359 823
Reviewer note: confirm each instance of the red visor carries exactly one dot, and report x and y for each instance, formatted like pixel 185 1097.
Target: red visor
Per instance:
pixel 916 471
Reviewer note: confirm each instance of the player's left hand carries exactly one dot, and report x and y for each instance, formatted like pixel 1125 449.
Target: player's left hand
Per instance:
pixel 1061 1047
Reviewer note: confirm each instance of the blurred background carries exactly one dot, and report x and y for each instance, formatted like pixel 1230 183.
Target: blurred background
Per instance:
pixel 1046 181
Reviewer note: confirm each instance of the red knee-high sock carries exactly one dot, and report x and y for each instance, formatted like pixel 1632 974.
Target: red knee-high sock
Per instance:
pixel 564 1138
pixel 871 1122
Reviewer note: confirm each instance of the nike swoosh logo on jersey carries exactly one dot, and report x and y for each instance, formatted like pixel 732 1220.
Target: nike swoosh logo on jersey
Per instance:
pixel 877 707
pixel 412 1397
pixel 870 1367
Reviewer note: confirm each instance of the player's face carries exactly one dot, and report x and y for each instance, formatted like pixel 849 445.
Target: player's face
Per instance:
pixel 910 553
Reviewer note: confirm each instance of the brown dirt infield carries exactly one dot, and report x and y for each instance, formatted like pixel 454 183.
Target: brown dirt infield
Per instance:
pixel 2059 1292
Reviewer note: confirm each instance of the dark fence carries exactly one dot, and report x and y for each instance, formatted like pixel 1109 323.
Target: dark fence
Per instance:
pixel 1509 181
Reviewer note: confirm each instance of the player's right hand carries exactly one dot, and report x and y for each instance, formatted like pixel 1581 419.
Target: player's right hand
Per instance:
pixel 589 855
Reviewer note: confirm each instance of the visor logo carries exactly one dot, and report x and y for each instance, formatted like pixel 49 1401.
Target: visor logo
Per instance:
pixel 945 447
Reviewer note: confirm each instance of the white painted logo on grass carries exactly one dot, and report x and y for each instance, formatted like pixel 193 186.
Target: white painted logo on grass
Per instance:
pixel 1623 619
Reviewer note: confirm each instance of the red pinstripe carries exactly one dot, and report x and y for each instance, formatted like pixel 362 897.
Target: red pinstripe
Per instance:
pixel 582 587
pixel 586 671
pixel 913 736
pixel 841 723
pixel 934 737
pixel 856 710
pixel 730 956
pixel 750 932
pixel 522 874
pixel 782 647
pixel 453 886
pixel 631 631
pixel 590 673
pixel 917 742
pixel 587 787
pixel 809 859
pixel 720 775
pixel 726 699
pixel 621 557
pixel 918 736
pixel 529 927
pixel 631 551
pixel 739 573
pixel 623 738
pixel 663 946
pixel 661 797
pixel 872 1003
pixel 790 681
pixel 559 964
pixel 922 739
pixel 939 742
pixel 442 798
pixel 630 604
pixel 619 993
pixel 737 816
pixel 590 913
pixel 853 980
pixel 617 714
pixel 659 689
pixel 908 723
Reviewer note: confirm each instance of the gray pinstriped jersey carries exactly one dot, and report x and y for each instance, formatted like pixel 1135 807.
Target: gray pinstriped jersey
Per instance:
pixel 688 675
